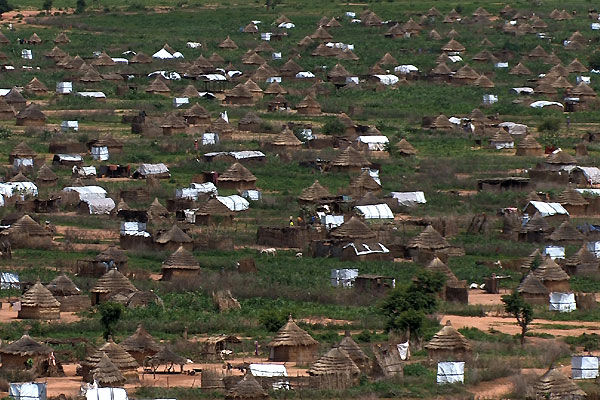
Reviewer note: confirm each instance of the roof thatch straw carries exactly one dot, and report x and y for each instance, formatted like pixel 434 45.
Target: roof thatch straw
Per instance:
pixel 111 253
pixel 566 233
pixel 520 69
pixel 22 150
pixel 561 157
pixel 554 385
pixel 45 174
pixel 429 239
pixel 237 172
pixel 453 46
pixel 532 285
pixel 26 225
pixel 120 358
pixel 335 361
pixel 247 389
pixel 441 122
pixel 529 142
pixel 63 286
pixel 175 234
pixel 140 341
pixel 286 138
pixel 314 192
pixel 107 374
pixel 228 44
pixel 350 157
pixel 181 259
pixel 571 197
pixel 62 38
pixel 141 58
pixel 550 271
pixel 166 356
pixel 113 282
pixel 35 85
pixel 353 349
pixel 449 339
pixel 354 228
pixel 26 346
pixel 292 335
pixel 437 265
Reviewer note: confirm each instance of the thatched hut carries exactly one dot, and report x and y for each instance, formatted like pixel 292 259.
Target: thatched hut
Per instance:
pixel 157 212
pixel 442 123
pixel 213 212
pixel 583 262
pixel 449 345
pixel 250 122
pixel 16 354
pixel 404 148
pixel 46 177
pixel 566 233
pixel 172 124
pixel 236 177
pixel 557 161
pixel 314 194
pixel 428 244
pixel 112 256
pixel 335 362
pixel 119 357
pixel 533 290
pixel 180 265
pixel 247 389
pixel 352 229
pixel 107 374
pixel 349 160
pixel 291 343
pixel 197 115
pixel 38 303
pixel 572 201
pixel 15 99
pixel 158 86
pixel 141 58
pixel 35 86
pixel 309 106
pixel 240 94
pixel 286 141
pixel 554 385
pixel 32 115
pixel 71 298
pixel 26 233
pixel 21 151
pixel 174 238
pixel 109 284
pixel 355 352
pixel 140 345
pixel 528 146
pixel 6 110
pixel 553 276
pixel 228 44
pixel 364 184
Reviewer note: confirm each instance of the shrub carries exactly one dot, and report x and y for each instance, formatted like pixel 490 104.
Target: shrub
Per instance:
pixel 594 60
pixel 80 6
pixel 416 370
pixel 5 6
pixel 5 132
pixel 272 320
pixel 333 126
pixel 549 125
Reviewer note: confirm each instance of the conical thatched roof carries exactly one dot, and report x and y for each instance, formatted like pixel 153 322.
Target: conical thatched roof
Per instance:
pixel 453 46
pixel 333 23
pixel 441 122
pixel 314 192
pixel 182 259
pixel 571 197
pixel 250 118
pixel 104 60
pixel 197 111
pixel 32 112
pixel 286 138
pixel 537 223
pixel 46 174
pixel 40 297
pixel 228 44
pixel 403 147
pixel 158 85
pixel 484 55
pixel 353 349
pixel 354 228
pixel 437 265
pixel 335 361
pixel 554 385
pixel 562 83
pixel 560 157
pixel 25 346
pixel 275 89
pixel 566 232
pixel 306 41
pixel 434 35
pixel 190 91
pixel 519 69
pixel 62 38
pixel 429 239
pixel 173 121
pixel 365 182
pixel 532 285
pixel 166 356
pixel 350 158
pixel 157 210
pixel 35 85
pixel 449 339
pixel 107 374
pixel 484 82
pixel 113 281
pixel 63 286
pixel 26 225
pixel 550 271
pixel 119 357
pixel 502 136
pixel 34 38
pixel 140 341
pixel 237 172
pixel 292 335
pixel 576 67
pixel 141 58
pixel 111 253
pixel 216 59
pixel 321 34
pixel 247 388
pixel 529 142
pixel 388 59
pixel 338 71
pixel 175 234
pixel 466 72
pixel 538 52
pixel 19 178
pixel 582 257
pixel 582 89
pixel 6 108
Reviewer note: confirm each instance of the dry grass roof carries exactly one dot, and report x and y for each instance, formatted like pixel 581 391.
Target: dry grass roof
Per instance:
pixel 571 197
pixel 550 271
pixel 247 388
pixel 236 173
pixel 117 354
pixel 175 234
pixel 111 253
pixel 26 225
pixel 554 385
pixel 448 339
pixel 354 228
pixel 107 374
pixel 566 232
pixel 140 341
pixel 314 192
pixel 350 157
pixel 182 259
pixel 429 239
pixel 63 286
pixel 292 335
pixel 532 285
pixel 113 281
pixel 335 361
pixel 25 346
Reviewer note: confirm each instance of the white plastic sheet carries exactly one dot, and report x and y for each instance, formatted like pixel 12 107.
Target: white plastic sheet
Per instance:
pixel 87 192
pixel 548 209
pixel 376 211
pixel 409 199
pixel 134 229
pixel 27 391
pixel 387 79
pixel 451 372
pixel 364 249
pixel 206 187
pixel 106 394
pixel 152 169
pixel 100 206
pixel 404 351
pixel 563 302
pixel 332 221
pixel 554 252
pixel 543 103
pixel 234 202
pixel 9 280
pixel 100 153
pixel 584 367
pixel 374 142
pixel 343 277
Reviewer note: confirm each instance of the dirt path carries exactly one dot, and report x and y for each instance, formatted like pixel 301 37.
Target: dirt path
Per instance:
pixel 495 389
pixel 8 315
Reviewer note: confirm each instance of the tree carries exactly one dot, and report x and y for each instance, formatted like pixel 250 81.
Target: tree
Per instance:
pixel 406 308
pixel 110 313
pixel 47 6
pixel 333 126
pixel 80 6
pixel 515 305
pixel 5 6
pixel 273 319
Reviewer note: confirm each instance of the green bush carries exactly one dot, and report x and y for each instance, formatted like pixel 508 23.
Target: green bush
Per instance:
pixel 272 320
pixel 416 370
pixel 333 126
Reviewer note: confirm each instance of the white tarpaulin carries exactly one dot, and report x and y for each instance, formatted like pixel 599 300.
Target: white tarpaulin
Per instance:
pixel 87 192
pixel 563 302
pixel 100 206
pixel 305 75
pixel 134 229
pixel 404 351
pixel 548 209
pixel 252 194
pixel 375 143
pixel 332 221
pixel 234 202
pixel 594 247
pixel 361 249
pixel 554 252
pixel 451 372
pixel 27 391
pixel 100 153
pixel 84 172
pixel 187 194
pixel 584 367
pixel 23 162
pixel 376 211
pixel 93 95
pixel 106 393
pixel 210 138
pixel 406 69
pixel 343 277
pixel 9 280
pixel 163 55
pixel 69 125
pixel 502 145
pixel 268 370
pixel 10 189
pixel 543 103
pixel 71 158
pixel 206 187
pixel 523 90
pixel 592 175
pixel 190 215
pixel 152 169
pixel 409 199
pixel 593 192
pixel 387 79
pixel 514 128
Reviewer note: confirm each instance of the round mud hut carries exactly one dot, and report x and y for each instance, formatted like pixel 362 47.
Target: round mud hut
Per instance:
pixel 293 344
pixel 38 303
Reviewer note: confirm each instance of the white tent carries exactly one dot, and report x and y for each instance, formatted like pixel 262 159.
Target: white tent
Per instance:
pixel 9 280
pixel 305 75
pixel 234 202
pixel 404 350
pixel 87 192
pixel 409 199
pixel 522 90
pixel 332 221
pixel 27 391
pixel 180 101
pixel 271 371
pixel 100 206
pixel 24 188
pixel 387 79
pixel 206 187
pixel 106 393
pixel 584 367
pixel 406 69
pixel 548 209
pixel 554 252
pixel 543 103
pixel 152 169
pixel 134 229
pixel 163 54
pixel 84 172
pixel 92 94
pixel 451 372
pixel 252 194
pixel 100 153
pixel 69 126
pixel 23 162
pixel 375 142
pixel 563 302
pixel 343 277
pixel 594 247
pixel 375 211
pixel 64 87
pixel 514 128
pixel 210 138
pixel 76 158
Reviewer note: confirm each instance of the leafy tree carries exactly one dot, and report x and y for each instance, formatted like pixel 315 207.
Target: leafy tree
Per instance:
pixel 110 313
pixel 406 308
pixel 594 60
pixel 273 320
pixel 5 6
pixel 47 6
pixel 80 6
pixel 515 305
pixel 333 126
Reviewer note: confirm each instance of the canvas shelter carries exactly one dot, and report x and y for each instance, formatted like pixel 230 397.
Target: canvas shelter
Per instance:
pixel 109 284
pixel 38 303
pixel 158 171
pixel 293 344
pixel 449 344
